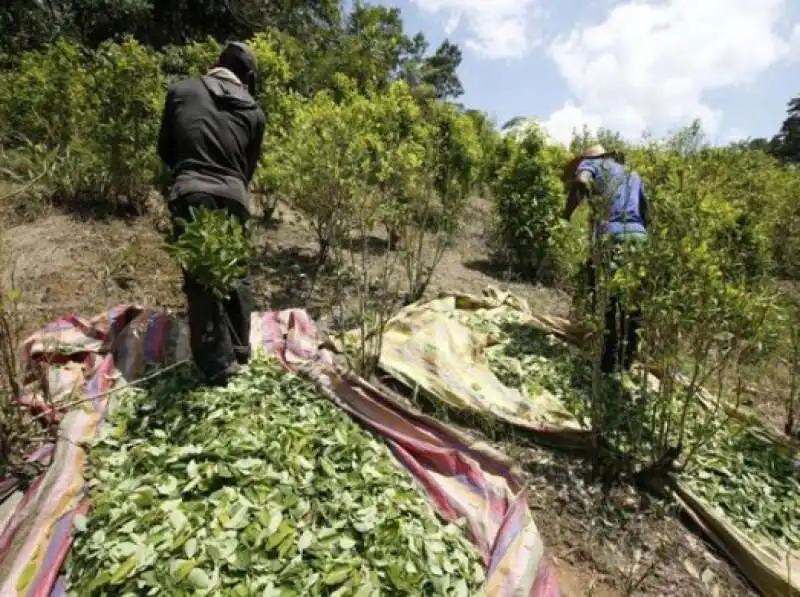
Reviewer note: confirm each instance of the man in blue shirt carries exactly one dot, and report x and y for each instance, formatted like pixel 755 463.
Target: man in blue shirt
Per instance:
pixel 619 214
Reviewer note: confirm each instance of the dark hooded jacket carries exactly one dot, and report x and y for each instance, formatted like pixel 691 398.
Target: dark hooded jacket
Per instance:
pixel 211 135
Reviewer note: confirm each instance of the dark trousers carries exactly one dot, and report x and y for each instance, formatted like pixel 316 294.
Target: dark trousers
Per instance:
pixel 620 337
pixel 219 329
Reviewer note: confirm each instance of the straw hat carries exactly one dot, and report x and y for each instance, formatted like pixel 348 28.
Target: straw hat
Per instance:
pixel 593 152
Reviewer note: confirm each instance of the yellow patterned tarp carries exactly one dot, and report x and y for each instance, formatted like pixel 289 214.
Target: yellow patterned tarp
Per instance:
pixel 429 348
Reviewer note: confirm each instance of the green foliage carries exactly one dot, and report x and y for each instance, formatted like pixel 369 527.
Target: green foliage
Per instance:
pixel 341 154
pixel 529 198
pixel 373 49
pixel 448 174
pixel 733 465
pixel 28 25
pixel 490 142
pixel 314 167
pixel 128 94
pixel 786 144
pixel 754 480
pixel 25 25
pixel 44 100
pixel 190 60
pixel 98 112
pixel 276 492
pixel 722 221
pixel 610 140
pixel 456 154
pixel 273 76
pixel 93 22
pixel 215 249
pixel 319 38
pixel 701 284
pixel 352 162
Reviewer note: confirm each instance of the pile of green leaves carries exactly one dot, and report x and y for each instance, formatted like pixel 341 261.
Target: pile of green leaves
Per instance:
pixel 530 360
pixel 261 488
pixel 215 249
pixel 754 481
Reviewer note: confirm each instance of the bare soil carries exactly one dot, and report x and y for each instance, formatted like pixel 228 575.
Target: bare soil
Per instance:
pixel 626 544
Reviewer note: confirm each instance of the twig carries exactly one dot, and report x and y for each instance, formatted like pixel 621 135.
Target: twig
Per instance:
pixel 131 384
pixel 25 187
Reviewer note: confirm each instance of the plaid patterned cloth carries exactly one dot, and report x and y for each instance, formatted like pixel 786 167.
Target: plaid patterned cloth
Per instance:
pixel 81 360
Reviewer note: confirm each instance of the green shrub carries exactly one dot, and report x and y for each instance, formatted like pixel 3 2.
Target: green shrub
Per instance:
pixel 529 200
pixel 129 89
pixel 99 111
pixel 44 100
pixel 704 299
pixel 446 179
pixel 191 60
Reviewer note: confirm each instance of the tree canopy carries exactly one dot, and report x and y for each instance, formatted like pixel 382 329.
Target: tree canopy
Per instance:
pixel 367 43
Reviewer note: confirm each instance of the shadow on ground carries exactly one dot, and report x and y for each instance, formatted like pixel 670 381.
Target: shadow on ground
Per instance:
pixel 493 269
pixel 100 208
pixel 375 245
pixel 290 277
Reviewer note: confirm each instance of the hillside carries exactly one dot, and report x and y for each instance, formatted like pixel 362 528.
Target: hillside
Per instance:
pixel 388 192
pixel 66 263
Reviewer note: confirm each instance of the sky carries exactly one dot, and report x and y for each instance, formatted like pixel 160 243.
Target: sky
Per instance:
pixel 635 66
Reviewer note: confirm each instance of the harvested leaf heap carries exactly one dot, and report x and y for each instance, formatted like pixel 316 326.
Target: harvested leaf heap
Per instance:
pixel 739 471
pixel 755 481
pixel 530 360
pixel 262 488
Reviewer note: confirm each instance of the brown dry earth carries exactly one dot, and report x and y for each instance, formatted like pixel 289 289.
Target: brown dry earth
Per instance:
pixel 626 544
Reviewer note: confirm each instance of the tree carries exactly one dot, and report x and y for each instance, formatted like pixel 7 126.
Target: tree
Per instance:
pixel 755 143
pixel 610 140
pixel 439 71
pixel 786 144
pixel 373 50
pixel 25 25
pixel 490 142
pixel 372 45
pixel 529 199
pixel 28 24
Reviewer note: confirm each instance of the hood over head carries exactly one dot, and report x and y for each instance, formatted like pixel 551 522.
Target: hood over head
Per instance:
pixel 226 88
pixel 240 60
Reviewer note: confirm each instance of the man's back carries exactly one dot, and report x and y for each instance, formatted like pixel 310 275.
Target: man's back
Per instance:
pixel 211 136
pixel 625 192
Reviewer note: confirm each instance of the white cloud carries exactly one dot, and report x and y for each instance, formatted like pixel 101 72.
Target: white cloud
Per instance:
pixel 649 65
pixel 452 24
pixel 498 28
pixel 561 123
pixel 735 134
pixel 794 42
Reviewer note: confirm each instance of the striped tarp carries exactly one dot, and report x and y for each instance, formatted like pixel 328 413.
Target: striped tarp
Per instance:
pixel 85 360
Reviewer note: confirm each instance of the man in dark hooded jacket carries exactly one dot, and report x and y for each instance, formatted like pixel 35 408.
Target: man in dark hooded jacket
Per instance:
pixel 210 139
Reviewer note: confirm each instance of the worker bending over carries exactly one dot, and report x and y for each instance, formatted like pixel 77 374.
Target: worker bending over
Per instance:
pixel 210 139
pixel 602 178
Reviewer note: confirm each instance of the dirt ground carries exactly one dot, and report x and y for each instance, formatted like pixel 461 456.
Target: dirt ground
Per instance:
pixel 630 545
